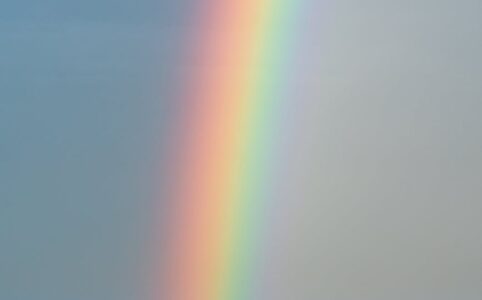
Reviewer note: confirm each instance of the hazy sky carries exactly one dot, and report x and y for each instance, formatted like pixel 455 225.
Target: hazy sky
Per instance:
pixel 382 197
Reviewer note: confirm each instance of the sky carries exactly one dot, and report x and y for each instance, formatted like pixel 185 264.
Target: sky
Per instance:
pixel 382 149
pixel 84 99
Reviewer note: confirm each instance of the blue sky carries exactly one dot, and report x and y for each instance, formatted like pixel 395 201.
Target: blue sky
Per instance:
pixel 84 97
pixel 121 11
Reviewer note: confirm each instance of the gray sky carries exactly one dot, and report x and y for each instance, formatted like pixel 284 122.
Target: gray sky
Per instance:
pixel 383 195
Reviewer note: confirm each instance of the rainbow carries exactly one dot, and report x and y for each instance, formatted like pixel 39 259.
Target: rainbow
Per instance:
pixel 222 165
